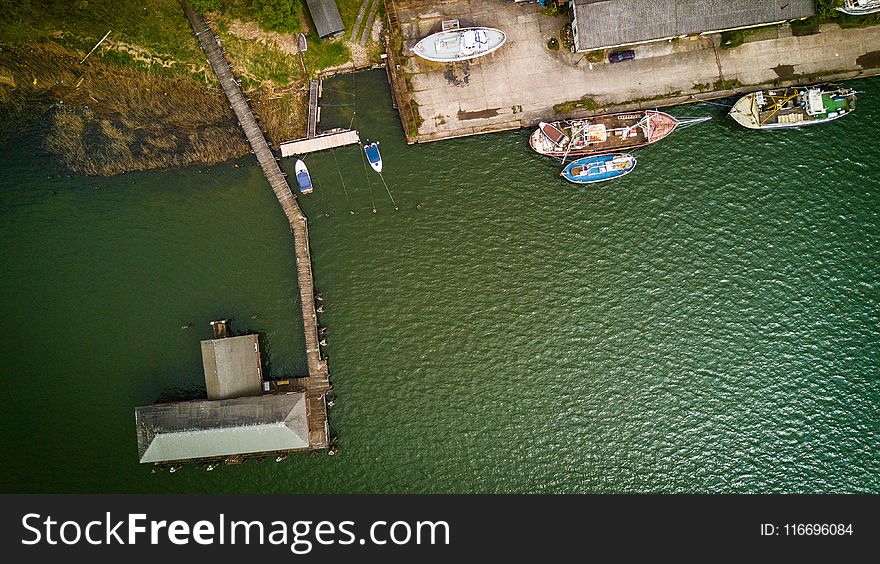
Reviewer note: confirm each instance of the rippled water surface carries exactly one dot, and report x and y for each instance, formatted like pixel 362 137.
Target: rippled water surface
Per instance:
pixel 707 323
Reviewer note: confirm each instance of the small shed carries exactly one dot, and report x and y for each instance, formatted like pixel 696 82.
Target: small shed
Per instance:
pixel 326 16
pixel 204 430
pixel 232 367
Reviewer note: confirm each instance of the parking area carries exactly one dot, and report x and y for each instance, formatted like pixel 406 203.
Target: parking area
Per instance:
pixel 520 84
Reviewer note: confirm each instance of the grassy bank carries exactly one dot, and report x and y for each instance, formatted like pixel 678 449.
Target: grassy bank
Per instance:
pixel 104 119
pixel 146 98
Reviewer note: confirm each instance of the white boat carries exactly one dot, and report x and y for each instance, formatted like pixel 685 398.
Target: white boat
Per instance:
pixel 373 156
pixel 860 7
pixel 459 44
pixel 303 179
pixel 796 106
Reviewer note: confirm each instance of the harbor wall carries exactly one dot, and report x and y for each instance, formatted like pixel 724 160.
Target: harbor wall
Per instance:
pixel 526 82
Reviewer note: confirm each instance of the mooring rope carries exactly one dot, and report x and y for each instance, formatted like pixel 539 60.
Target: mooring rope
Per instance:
pixel 717 103
pixel 687 121
pixel 323 199
pixel 389 192
pixel 340 91
pixel 350 210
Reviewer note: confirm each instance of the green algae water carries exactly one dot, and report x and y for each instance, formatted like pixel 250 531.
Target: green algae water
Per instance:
pixel 708 323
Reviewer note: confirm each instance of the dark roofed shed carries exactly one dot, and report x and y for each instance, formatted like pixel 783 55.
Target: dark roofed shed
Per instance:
pixel 610 23
pixel 326 16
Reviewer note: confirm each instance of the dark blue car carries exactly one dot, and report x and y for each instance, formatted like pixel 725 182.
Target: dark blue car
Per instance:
pixel 627 55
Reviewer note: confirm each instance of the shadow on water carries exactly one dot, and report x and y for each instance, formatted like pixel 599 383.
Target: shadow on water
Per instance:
pixel 183 393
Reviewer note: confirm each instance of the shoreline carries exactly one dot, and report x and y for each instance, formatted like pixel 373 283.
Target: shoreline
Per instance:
pixel 660 103
pixel 118 112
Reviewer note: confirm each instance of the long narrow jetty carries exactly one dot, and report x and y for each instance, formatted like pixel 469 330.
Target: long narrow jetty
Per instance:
pixel 314 110
pixel 317 384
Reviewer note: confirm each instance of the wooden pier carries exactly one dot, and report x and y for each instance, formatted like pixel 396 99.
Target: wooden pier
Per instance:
pixel 315 91
pixel 313 141
pixel 317 383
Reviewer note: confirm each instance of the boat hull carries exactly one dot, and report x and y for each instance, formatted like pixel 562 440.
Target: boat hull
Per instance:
pixel 784 108
pixel 303 178
pixel 609 133
pixel 460 44
pixel 599 168
pixel 373 156
pixel 853 9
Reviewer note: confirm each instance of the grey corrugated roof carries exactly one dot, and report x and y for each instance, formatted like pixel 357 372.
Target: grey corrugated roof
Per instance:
pixel 232 367
pixel 326 16
pixel 207 429
pixel 606 23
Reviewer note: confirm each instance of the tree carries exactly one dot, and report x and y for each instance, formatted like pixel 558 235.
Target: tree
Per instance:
pixel 828 8
pixel 277 15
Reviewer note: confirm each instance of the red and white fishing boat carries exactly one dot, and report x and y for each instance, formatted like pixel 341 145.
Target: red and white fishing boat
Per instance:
pixel 610 133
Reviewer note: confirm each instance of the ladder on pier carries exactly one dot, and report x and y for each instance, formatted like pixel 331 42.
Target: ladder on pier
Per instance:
pixel 391 13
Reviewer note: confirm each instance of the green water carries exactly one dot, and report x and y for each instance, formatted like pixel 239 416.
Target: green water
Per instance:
pixel 707 323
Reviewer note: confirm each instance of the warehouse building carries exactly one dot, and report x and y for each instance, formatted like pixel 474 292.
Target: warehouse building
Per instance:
pixel 606 24
pixel 242 416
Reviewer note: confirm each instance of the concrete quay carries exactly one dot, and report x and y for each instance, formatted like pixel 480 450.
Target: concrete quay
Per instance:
pixel 519 85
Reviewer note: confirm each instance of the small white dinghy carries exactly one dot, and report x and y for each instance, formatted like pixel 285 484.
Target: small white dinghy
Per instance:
pixel 303 179
pixel 459 44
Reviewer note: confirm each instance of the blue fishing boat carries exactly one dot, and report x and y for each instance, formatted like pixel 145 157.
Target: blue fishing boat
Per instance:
pixel 302 177
pixel 599 168
pixel 373 156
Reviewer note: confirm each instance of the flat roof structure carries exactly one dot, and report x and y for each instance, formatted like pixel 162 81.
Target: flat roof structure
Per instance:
pixel 201 430
pixel 326 16
pixel 329 140
pixel 232 367
pixel 600 24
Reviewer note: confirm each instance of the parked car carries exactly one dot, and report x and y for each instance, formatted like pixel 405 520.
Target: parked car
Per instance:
pixel 620 56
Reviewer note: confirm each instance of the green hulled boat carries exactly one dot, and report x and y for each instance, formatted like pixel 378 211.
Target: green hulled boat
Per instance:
pixel 793 107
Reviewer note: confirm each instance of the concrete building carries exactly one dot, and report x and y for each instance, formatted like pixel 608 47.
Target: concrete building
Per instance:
pixel 606 24
pixel 326 16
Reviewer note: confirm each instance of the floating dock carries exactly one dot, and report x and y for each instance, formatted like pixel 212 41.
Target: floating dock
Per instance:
pixel 328 140
pixel 317 383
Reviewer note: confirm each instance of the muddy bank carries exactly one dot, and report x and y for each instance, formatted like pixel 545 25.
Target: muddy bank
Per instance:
pixel 106 119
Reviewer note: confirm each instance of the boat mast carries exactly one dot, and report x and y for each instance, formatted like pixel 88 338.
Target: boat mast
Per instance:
pixel 777 104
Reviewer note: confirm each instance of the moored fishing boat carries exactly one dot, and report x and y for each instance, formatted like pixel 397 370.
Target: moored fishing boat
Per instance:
pixel 793 107
pixel 860 7
pixel 373 156
pixel 303 179
pixel 459 44
pixel 602 134
pixel 599 168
